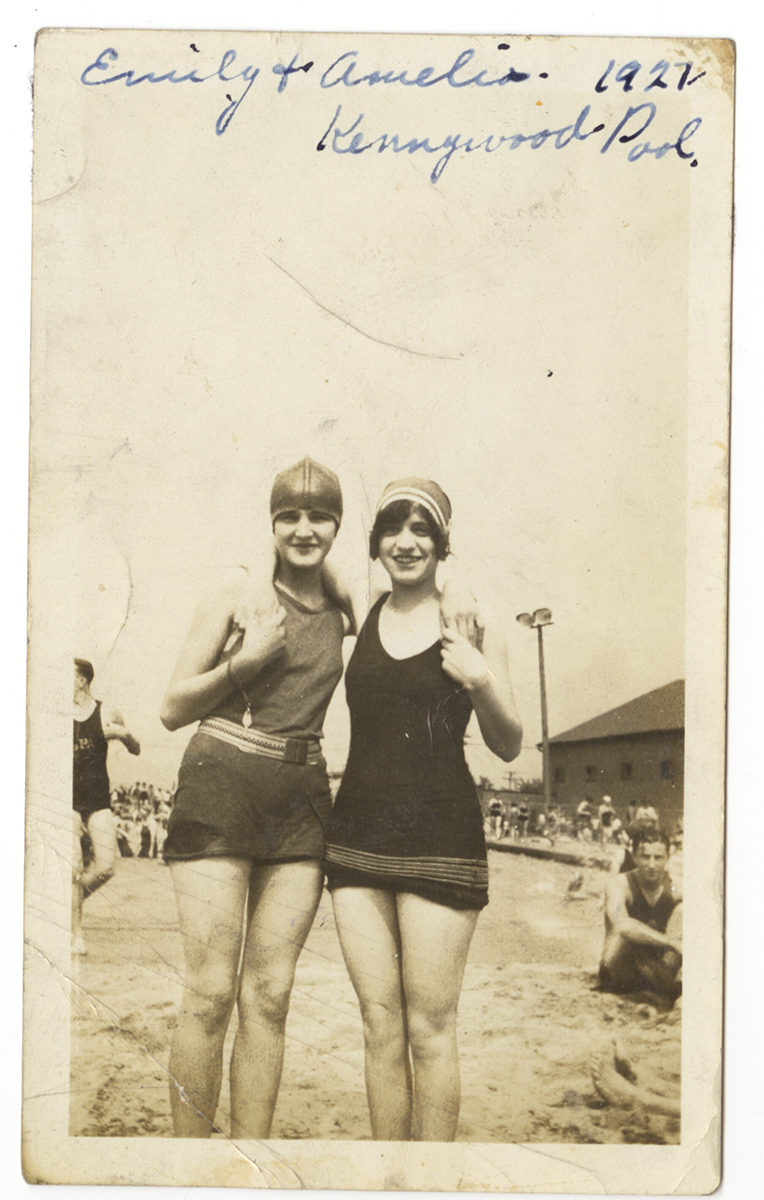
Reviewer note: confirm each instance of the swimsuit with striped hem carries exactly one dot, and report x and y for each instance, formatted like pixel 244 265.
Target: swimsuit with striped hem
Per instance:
pixel 463 872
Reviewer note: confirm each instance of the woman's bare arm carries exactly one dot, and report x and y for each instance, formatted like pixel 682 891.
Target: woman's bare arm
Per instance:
pixel 485 675
pixel 350 592
pixel 459 608
pixel 198 683
pixel 258 594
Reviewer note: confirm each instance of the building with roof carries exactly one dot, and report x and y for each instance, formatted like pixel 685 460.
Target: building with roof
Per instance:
pixel 633 752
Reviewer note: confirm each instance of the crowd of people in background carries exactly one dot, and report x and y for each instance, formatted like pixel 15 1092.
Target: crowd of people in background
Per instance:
pixel 517 819
pixel 141 812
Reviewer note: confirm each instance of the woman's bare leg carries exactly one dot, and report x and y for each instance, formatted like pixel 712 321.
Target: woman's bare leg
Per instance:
pixel 283 899
pixel 211 896
pixel 435 941
pixel 367 924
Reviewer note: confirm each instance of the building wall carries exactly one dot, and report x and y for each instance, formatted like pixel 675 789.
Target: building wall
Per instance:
pixel 647 768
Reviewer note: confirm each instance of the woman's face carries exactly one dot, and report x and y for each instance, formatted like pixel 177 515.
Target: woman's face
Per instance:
pixel 407 552
pixel 304 536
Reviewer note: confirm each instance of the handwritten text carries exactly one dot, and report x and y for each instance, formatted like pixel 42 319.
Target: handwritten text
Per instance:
pixel 353 140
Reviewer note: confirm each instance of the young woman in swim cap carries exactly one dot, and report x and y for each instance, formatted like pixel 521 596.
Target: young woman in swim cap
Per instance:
pixel 245 838
pixel 406 857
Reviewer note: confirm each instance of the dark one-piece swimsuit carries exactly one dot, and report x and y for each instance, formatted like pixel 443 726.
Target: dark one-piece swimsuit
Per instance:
pixel 407 817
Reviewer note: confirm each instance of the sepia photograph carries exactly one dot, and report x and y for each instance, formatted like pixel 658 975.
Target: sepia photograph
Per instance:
pixel 378 505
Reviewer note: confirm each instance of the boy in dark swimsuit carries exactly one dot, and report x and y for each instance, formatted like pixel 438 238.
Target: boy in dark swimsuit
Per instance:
pixel 642 950
pixel 95 725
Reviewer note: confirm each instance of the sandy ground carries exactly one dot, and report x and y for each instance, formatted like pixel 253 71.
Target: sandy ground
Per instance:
pixel 528 1020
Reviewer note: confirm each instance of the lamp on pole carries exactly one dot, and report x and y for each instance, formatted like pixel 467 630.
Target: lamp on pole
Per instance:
pixel 537 620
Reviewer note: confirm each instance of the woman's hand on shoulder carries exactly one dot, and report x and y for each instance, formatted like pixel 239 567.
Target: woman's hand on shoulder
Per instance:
pixel 460 611
pixel 474 645
pixel 462 661
pixel 485 675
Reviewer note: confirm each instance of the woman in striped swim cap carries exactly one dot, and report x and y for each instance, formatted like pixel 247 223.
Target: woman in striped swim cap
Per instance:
pixel 406 855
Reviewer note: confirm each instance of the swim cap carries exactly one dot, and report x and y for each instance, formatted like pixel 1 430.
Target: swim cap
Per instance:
pixel 307 485
pixel 423 492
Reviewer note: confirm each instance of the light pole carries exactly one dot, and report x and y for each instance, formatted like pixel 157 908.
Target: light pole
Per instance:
pixel 538 620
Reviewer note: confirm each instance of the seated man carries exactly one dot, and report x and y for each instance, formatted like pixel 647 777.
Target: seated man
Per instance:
pixel 642 950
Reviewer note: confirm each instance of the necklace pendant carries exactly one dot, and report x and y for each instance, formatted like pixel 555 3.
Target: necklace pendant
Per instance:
pixel 246 718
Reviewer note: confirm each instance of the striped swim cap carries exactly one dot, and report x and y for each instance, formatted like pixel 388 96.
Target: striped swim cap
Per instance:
pixel 420 491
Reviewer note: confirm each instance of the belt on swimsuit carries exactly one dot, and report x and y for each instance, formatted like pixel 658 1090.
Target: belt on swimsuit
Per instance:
pixel 299 751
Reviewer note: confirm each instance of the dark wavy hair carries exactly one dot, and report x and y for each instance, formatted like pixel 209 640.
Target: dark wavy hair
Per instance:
pixel 646 837
pixel 390 519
